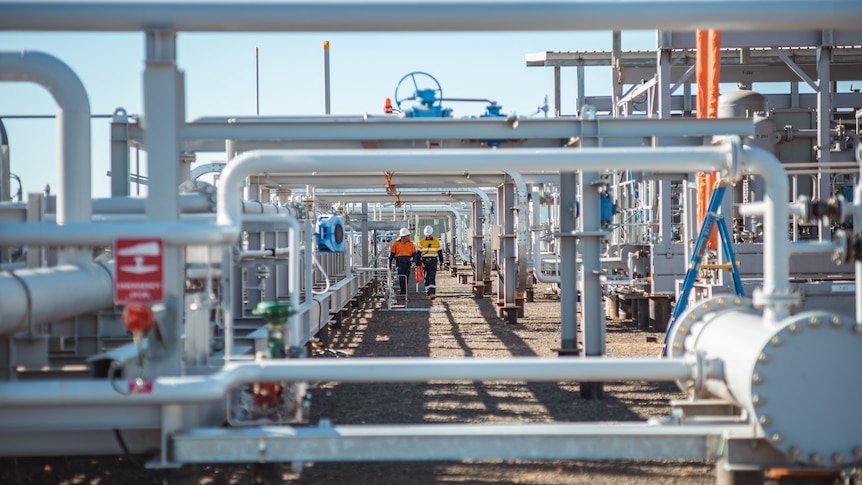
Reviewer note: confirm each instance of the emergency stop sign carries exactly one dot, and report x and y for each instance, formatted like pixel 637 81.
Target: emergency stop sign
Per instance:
pixel 139 270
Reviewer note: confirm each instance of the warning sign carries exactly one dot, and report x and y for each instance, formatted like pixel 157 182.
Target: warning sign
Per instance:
pixel 139 270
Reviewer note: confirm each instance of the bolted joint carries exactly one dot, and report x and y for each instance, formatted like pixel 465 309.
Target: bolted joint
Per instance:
pixel 848 247
pixel 831 209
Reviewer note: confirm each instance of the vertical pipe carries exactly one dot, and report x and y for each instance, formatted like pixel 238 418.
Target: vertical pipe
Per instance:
pixel 454 234
pixel 776 274
pixel 308 241
pixel 257 80
pixel 269 284
pixel 478 242
pixel 521 240
pixel 120 160
pixel 582 96
pixel 664 103
pixel 326 98
pixel 616 54
pixel 507 209
pixel 568 262
pixel 824 117
pixel 163 111
pixel 557 92
pixel 857 202
pixel 5 173
pixel 365 239
pixel 592 316
pixel 282 282
pixel 5 180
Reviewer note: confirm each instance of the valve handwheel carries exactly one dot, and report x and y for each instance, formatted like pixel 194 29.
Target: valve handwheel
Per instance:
pixel 426 89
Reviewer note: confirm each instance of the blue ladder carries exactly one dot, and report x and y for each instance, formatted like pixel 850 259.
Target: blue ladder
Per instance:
pixel 712 217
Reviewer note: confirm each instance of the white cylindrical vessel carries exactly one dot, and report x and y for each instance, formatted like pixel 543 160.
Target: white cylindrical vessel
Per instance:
pixel 798 379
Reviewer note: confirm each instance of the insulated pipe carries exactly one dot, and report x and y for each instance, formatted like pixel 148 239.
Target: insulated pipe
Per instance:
pixel 667 159
pixel 425 16
pixel 775 295
pixel 73 116
pixel 94 234
pixel 54 293
pixel 857 211
pixel 201 389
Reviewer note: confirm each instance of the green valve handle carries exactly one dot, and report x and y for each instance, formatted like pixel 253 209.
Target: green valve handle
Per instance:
pixel 275 313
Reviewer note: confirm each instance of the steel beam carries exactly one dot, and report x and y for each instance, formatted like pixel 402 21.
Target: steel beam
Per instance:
pixel 427 442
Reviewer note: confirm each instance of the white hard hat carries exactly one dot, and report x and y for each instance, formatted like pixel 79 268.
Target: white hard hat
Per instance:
pixel 428 230
pixel 404 232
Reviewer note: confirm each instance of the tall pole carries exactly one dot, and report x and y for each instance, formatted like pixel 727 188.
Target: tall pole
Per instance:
pixel 326 76
pixel 257 80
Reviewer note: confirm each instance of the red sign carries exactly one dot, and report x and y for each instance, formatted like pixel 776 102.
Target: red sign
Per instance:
pixel 139 269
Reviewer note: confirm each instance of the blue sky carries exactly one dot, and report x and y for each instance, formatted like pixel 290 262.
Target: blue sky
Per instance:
pixel 220 79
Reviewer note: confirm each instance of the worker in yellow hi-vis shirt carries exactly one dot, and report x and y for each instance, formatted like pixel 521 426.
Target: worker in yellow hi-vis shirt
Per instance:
pixel 429 251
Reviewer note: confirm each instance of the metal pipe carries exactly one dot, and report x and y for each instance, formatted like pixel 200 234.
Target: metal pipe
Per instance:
pixel 813 247
pixel 759 208
pixel 326 97
pixel 857 267
pixel 200 389
pixel 666 159
pixel 63 292
pixel 94 234
pixel 775 294
pixel 425 16
pixel 73 117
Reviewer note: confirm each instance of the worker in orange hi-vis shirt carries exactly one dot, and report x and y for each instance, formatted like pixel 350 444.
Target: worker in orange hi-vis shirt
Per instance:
pixel 404 256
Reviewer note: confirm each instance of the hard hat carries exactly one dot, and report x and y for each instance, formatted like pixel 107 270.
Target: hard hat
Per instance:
pixel 404 232
pixel 428 230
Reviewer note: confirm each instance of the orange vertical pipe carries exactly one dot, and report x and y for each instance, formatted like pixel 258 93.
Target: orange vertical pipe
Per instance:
pixel 714 68
pixel 708 69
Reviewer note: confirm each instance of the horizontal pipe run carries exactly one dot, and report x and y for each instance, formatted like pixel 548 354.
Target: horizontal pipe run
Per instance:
pixel 727 15
pixel 813 247
pixel 658 160
pixel 97 234
pixel 759 208
pixel 200 389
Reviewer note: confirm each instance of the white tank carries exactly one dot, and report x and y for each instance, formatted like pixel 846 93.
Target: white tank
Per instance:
pixel 745 103
pixel 742 103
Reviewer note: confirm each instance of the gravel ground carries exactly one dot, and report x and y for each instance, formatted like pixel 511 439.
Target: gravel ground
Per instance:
pixel 453 325
pixel 461 326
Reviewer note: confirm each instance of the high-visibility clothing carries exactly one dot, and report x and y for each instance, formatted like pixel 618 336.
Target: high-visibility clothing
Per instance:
pixel 399 248
pixel 429 247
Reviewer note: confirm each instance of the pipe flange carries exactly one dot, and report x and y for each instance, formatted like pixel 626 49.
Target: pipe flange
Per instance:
pixel 687 323
pixel 805 389
pixel 841 253
pixel 734 168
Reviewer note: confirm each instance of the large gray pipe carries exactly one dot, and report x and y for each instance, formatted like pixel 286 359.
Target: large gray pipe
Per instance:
pixel 728 15
pixel 54 294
